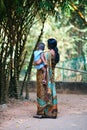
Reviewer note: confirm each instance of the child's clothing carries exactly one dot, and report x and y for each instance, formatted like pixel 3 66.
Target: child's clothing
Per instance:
pixel 37 56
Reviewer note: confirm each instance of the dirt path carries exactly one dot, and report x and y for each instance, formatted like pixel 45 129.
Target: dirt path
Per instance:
pixel 23 110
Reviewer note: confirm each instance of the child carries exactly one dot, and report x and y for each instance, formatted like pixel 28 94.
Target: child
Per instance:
pixel 40 61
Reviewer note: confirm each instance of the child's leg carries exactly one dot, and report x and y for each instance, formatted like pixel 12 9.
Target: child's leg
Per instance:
pixel 44 74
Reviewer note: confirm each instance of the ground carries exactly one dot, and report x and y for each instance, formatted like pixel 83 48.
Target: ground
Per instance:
pixel 18 112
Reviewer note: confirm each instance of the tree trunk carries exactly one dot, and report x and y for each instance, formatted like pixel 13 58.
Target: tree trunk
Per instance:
pixel 28 73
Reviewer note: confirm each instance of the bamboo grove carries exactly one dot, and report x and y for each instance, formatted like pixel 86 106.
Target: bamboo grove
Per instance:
pixel 16 19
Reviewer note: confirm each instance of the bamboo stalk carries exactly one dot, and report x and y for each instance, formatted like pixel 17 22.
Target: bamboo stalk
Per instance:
pixel 81 71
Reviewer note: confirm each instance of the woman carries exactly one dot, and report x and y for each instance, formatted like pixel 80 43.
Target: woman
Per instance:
pixel 46 94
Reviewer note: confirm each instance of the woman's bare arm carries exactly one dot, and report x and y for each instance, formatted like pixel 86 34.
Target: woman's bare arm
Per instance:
pixel 38 62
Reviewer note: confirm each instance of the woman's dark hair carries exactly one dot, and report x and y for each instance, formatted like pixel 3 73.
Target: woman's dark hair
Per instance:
pixel 52 44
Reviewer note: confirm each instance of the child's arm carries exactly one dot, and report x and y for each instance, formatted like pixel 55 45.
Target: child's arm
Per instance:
pixel 43 58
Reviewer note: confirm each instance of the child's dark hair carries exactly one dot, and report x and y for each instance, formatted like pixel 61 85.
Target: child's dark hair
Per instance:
pixel 41 46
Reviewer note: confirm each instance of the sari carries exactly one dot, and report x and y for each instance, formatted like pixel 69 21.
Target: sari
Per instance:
pixel 46 94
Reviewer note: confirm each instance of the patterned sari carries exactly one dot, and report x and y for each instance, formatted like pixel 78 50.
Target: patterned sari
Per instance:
pixel 46 94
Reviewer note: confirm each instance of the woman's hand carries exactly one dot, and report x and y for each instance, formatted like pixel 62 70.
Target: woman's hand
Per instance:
pixel 38 62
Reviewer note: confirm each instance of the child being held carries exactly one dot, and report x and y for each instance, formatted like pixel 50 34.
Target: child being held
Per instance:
pixel 40 61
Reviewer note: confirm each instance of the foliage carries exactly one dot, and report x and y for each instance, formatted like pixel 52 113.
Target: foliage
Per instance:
pixel 16 19
pixel 14 27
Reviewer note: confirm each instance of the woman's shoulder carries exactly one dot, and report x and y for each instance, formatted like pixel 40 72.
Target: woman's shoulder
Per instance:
pixel 47 52
pixel 52 52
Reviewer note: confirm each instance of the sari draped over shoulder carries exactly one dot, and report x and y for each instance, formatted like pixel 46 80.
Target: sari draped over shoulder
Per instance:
pixel 46 94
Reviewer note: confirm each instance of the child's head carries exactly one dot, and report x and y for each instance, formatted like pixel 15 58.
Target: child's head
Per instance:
pixel 41 46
